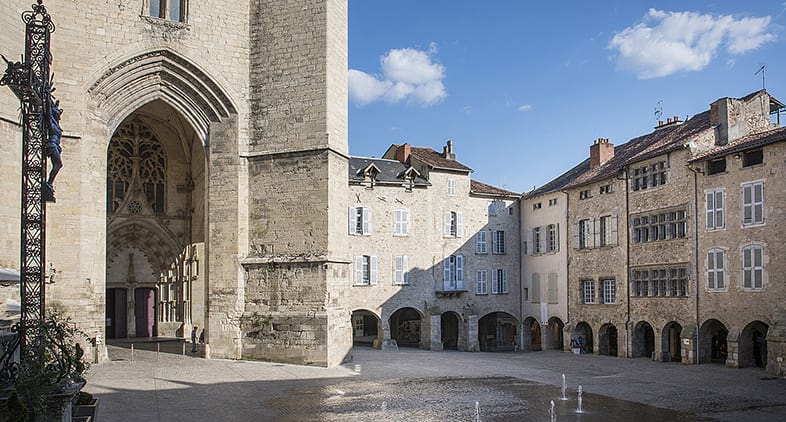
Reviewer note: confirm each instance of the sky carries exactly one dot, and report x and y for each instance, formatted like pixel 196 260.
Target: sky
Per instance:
pixel 523 89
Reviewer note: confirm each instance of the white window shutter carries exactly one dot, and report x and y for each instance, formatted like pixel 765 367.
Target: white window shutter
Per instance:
pixel 459 225
pixel 359 269
pixel 446 265
pixel 373 271
pixel 709 209
pixel 447 223
pixel 366 220
pixel 612 238
pixel 544 233
pixel 405 230
pixel 494 284
pixel 720 206
pixel 352 217
pixel 405 269
pixel 576 236
pixel 459 268
pixel 504 282
pixel 556 237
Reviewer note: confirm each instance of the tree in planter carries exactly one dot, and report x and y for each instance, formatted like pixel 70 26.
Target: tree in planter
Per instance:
pixel 52 364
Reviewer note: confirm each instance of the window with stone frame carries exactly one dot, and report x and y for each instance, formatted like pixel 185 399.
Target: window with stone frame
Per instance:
pixel 400 269
pixel 751 158
pixel 136 160
pixel 537 244
pixel 588 291
pixel 359 221
pixel 552 238
pixel 714 206
pixel 481 246
pixel 365 270
pixel 451 187
pixel 499 284
pixel 174 10
pixel 453 269
pixel 453 224
pixel 753 267
pixel 663 225
pixel 498 242
pixel 608 230
pixel 481 282
pixel 649 176
pixel 659 282
pixel 753 203
pixel 716 269
pixel 608 291
pixel 401 223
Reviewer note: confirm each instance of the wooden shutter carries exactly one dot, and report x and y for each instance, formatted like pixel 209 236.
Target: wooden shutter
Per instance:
pixel 543 238
pixel 576 236
pixel 352 217
pixel 535 288
pixel 709 209
pixel 459 225
pixel 447 223
pixel 529 247
pixel 595 235
pixel 494 284
pixel 373 270
pixel 366 220
pixel 551 294
pixel 405 269
pixel 556 237
pixel 446 265
pixel 459 270
pixel 359 269
pixel 504 282
pixel 720 206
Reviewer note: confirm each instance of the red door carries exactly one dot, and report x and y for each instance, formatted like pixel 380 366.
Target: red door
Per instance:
pixel 145 310
pixel 116 312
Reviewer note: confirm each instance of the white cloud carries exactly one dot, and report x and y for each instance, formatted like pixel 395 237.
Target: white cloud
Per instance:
pixel 525 107
pixel 669 42
pixel 408 75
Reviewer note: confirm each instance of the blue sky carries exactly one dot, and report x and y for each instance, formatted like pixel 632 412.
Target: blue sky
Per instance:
pixel 523 89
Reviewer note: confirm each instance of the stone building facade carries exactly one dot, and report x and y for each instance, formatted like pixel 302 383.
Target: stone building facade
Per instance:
pixel 434 254
pixel 195 132
pixel 672 240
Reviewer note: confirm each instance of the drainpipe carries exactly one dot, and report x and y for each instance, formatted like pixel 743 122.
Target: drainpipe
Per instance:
pixel 567 264
pixel 696 248
pixel 522 254
pixel 627 261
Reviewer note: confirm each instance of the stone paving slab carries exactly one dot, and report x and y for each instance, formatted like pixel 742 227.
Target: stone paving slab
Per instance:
pixel 417 385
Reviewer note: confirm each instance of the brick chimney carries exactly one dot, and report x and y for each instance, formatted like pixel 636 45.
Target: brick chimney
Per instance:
pixel 447 151
pixel 600 152
pixel 402 153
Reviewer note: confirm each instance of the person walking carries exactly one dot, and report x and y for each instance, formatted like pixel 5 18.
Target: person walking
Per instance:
pixel 194 339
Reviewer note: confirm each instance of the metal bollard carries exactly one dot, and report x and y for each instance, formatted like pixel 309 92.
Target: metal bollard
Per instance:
pixel 132 352
pixel 158 352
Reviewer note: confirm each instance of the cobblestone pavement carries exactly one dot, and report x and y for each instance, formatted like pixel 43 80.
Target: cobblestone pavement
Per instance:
pixel 417 385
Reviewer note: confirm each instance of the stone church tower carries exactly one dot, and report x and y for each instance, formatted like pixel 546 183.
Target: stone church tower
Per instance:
pixel 205 151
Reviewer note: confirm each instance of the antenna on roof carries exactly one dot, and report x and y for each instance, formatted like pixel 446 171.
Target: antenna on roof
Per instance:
pixel 658 110
pixel 763 71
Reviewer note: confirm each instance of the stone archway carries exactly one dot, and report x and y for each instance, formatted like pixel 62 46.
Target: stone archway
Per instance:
pixel 155 219
pixel 532 335
pixel 366 328
pixel 582 337
pixel 713 345
pixel 554 337
pixel 643 340
pixel 607 340
pixel 449 330
pixel 405 327
pixel 671 342
pixel 497 332
pixel 752 345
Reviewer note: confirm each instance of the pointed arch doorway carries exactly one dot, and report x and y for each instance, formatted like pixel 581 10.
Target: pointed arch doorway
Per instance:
pixel 155 224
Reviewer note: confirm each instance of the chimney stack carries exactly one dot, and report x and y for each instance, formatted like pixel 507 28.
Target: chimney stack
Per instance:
pixel 447 151
pixel 600 152
pixel 402 153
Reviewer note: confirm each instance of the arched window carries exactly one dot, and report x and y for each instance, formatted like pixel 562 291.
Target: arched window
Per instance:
pixel 174 10
pixel 136 160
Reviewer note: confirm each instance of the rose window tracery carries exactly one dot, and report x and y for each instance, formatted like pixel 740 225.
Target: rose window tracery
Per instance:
pixel 136 161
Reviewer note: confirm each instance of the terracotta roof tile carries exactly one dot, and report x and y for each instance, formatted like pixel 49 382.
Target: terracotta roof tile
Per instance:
pixel 436 160
pixel 480 187
pixel 747 142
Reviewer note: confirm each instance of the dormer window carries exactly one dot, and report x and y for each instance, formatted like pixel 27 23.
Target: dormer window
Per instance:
pixel 716 166
pixel 369 173
pixel 751 158
pixel 409 176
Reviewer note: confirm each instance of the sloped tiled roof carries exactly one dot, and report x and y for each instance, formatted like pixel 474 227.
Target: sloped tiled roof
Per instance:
pixel 747 142
pixel 480 187
pixel 436 160
pixel 390 171
pixel 660 141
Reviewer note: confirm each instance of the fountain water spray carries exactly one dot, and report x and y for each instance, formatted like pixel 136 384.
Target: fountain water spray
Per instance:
pixel 564 388
pixel 580 408
pixel 552 413
pixel 477 411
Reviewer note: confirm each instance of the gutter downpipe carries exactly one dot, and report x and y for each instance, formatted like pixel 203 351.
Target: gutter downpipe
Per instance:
pixel 696 248
pixel 522 254
pixel 627 262
pixel 567 264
